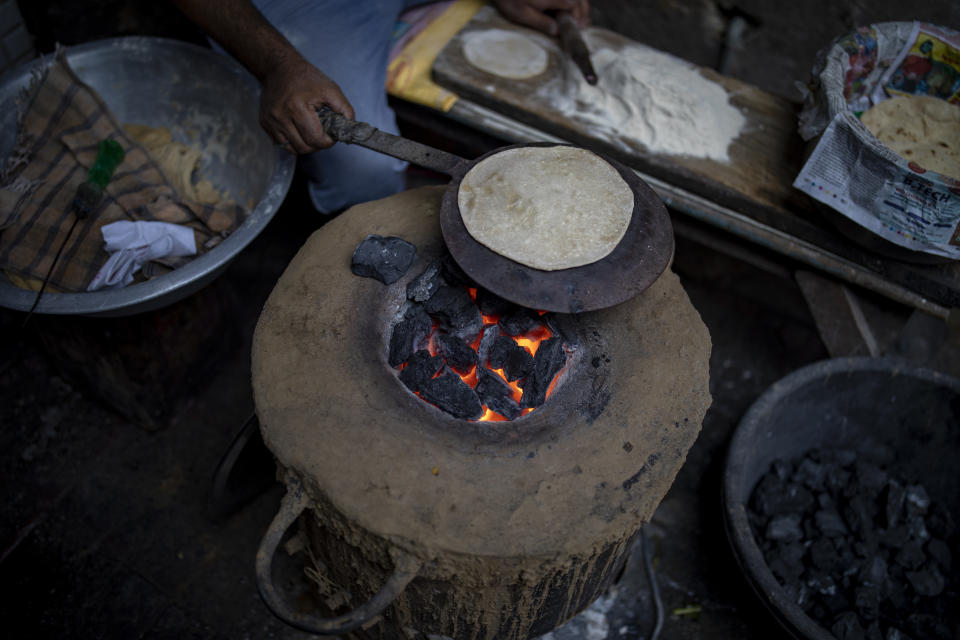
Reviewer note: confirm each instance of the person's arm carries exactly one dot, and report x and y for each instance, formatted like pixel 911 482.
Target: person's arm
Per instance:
pixel 292 89
pixel 534 13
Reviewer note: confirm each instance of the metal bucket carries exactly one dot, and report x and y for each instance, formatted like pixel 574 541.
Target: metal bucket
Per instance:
pixel 854 403
pixel 206 99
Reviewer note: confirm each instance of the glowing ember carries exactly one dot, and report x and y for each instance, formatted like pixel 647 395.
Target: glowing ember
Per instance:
pixel 507 397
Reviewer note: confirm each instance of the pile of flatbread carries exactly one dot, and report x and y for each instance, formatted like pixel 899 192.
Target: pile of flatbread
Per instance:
pixel 922 129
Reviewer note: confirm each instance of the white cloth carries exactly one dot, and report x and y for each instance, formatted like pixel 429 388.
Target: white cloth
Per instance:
pixel 131 244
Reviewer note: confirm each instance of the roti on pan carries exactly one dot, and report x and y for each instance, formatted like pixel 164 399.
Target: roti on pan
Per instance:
pixel 548 208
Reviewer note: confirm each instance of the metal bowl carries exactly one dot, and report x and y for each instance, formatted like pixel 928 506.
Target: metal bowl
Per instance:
pixel 206 99
pixel 854 403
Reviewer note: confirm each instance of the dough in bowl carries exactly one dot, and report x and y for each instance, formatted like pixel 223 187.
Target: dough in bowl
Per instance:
pixel 922 129
pixel 548 208
pixel 504 53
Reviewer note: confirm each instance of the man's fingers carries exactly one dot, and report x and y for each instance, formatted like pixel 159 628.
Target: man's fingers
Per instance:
pixel 531 13
pixel 310 129
pixel 343 107
pixel 284 134
pixel 289 102
pixel 581 13
pixel 295 142
pixel 534 19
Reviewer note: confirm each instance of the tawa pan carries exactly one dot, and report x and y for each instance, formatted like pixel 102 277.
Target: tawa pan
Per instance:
pixel 635 263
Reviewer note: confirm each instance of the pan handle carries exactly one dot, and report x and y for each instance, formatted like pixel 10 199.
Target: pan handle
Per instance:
pixel 343 129
pixel 292 505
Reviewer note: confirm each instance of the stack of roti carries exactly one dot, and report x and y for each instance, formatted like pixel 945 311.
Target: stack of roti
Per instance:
pixel 922 129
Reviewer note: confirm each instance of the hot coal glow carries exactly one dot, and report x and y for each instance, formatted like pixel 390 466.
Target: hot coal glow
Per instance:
pixel 473 354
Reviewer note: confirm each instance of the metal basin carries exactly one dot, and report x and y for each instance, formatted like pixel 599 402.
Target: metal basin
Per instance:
pixel 853 403
pixel 207 100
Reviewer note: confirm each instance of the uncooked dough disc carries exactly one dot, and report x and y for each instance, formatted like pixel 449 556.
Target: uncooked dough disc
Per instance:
pixel 922 129
pixel 549 208
pixel 504 53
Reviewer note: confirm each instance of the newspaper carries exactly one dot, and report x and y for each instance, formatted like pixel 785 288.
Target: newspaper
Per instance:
pixel 850 171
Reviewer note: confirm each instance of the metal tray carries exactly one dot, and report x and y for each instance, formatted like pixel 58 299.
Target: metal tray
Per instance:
pixel 205 98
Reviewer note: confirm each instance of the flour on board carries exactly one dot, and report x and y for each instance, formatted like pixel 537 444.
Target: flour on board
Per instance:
pixel 650 98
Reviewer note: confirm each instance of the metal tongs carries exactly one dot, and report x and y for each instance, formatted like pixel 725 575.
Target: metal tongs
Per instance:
pixel 571 41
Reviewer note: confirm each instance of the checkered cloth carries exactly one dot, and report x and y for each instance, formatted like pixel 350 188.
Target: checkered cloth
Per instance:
pixel 59 132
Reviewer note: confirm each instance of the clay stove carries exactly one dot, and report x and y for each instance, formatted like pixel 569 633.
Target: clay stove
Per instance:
pixel 464 527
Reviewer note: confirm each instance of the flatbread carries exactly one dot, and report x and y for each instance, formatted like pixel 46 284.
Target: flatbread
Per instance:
pixel 504 53
pixel 178 162
pixel 922 129
pixel 548 208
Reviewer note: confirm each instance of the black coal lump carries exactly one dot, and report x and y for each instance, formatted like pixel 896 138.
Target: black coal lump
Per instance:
pixel 925 625
pixel 459 355
pixel 874 551
pixel 426 284
pixel 896 494
pixel 786 561
pixel 385 259
pixel 785 528
pixel 927 581
pixel 490 335
pixel 451 394
pixel 916 500
pixel 455 309
pixel 774 497
pixel 520 322
pixel 830 523
pixel 940 552
pixel 496 394
pixel 420 367
pixel 453 274
pixel 847 627
pixel 493 305
pixel 409 335
pixel 515 361
pixel 549 360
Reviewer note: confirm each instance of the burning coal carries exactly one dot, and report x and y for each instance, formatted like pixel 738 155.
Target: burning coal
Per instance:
pixel 471 353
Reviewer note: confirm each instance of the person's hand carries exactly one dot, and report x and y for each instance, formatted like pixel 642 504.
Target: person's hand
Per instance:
pixel 532 13
pixel 290 96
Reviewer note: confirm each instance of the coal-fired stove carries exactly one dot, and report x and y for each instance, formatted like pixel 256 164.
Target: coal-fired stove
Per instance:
pixel 473 529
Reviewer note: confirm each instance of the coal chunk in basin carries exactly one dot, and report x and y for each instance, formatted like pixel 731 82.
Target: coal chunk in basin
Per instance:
pixel 550 359
pixel 420 368
pixel 496 394
pixel 515 361
pixel 455 309
pixel 450 393
pixel 421 288
pixel 384 259
pixel 493 305
pixel 520 321
pixel 458 354
pixel 409 335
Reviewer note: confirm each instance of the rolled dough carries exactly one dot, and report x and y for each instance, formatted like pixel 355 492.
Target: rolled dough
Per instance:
pixel 504 53
pixel 549 208
pixel 922 129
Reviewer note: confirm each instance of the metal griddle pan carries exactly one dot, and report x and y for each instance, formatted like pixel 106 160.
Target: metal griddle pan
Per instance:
pixel 635 263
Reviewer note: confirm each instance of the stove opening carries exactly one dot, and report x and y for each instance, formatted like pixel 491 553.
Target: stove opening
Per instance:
pixel 471 353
